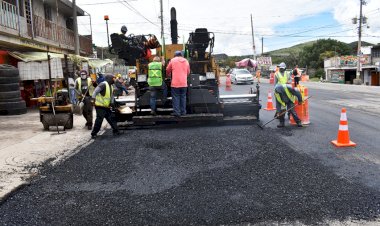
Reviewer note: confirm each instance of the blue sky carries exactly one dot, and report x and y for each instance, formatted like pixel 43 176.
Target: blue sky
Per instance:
pixel 230 20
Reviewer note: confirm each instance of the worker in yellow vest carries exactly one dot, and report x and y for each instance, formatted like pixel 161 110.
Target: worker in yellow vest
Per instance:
pixel 84 87
pixel 156 83
pixel 285 97
pixel 103 100
pixel 281 76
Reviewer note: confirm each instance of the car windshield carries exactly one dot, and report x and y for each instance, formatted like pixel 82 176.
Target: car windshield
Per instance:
pixel 241 72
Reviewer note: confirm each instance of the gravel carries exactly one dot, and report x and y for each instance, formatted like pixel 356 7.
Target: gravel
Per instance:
pixel 189 176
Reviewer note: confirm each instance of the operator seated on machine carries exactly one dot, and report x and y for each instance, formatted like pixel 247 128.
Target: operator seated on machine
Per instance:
pixel 285 98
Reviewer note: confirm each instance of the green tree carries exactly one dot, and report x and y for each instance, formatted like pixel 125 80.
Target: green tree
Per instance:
pixel 313 56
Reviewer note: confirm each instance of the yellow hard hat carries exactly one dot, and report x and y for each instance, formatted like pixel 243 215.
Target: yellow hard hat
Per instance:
pixel 118 76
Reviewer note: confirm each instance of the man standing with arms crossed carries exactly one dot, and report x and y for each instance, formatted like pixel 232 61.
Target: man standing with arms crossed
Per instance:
pixel 179 68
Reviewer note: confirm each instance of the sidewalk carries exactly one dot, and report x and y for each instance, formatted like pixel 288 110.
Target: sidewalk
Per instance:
pixel 25 146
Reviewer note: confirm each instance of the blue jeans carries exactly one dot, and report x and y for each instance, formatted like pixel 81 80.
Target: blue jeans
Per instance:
pixel 153 95
pixel 73 96
pixel 179 100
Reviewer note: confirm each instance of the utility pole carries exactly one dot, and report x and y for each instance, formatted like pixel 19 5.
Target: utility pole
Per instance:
pixel 358 80
pixel 162 20
pixel 76 36
pixel 262 46
pixel 253 40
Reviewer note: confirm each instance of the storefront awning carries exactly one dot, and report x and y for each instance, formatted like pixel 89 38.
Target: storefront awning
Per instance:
pixel 42 56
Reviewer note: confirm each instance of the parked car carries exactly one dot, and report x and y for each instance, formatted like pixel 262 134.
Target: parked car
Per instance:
pixel 241 76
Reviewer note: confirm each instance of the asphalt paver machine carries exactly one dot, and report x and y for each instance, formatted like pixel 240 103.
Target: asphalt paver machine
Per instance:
pixel 204 101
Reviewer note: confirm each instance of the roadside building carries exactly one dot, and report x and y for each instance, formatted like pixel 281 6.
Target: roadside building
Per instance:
pixel 342 69
pixel 30 28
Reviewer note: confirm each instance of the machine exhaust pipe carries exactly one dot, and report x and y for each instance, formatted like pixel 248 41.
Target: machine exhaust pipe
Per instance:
pixel 173 25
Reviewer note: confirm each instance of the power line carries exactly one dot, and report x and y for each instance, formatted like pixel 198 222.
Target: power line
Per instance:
pixel 130 7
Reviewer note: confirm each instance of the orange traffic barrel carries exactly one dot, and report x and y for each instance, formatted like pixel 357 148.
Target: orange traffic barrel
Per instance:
pixel 303 109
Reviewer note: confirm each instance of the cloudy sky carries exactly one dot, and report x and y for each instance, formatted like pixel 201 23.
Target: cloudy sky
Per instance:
pixel 279 23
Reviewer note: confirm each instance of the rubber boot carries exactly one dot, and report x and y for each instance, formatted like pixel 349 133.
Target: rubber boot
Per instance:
pixel 282 122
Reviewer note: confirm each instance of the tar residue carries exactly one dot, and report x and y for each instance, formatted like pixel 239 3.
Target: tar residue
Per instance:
pixel 189 176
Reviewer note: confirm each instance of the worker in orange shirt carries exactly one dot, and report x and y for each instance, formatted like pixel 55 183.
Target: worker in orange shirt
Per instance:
pixel 258 75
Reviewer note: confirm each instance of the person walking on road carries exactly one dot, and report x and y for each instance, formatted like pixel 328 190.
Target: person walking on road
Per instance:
pixel 281 76
pixel 297 76
pixel 285 97
pixel 84 87
pixel 156 83
pixel 258 75
pixel 179 69
pixel 103 100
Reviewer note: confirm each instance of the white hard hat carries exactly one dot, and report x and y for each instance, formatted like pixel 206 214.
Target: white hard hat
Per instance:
pixel 282 65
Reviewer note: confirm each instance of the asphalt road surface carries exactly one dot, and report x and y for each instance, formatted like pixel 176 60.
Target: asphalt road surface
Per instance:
pixel 213 175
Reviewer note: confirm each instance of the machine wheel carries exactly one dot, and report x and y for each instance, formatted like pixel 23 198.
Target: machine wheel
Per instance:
pixel 9 87
pixel 69 123
pixel 10 95
pixel 251 83
pixel 8 71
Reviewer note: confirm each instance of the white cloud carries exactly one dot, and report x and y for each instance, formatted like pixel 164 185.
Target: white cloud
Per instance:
pixel 230 20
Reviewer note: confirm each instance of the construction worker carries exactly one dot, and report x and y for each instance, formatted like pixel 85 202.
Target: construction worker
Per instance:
pixel 120 87
pixel 103 99
pixel 281 76
pixel 297 76
pixel 84 87
pixel 285 97
pixel 156 83
pixel 123 33
pixel 179 69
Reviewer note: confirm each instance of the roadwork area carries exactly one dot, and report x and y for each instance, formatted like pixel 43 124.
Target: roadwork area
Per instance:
pixel 210 175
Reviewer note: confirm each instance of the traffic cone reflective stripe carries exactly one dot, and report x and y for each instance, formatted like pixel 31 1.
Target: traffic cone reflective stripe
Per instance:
pixel 269 102
pixel 343 139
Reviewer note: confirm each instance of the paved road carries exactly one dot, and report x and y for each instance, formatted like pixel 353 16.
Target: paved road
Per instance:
pixel 363 109
pixel 210 175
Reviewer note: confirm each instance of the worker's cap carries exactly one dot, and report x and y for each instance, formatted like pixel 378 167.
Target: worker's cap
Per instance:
pixel 124 28
pixel 282 65
pixel 178 53
pixel 83 72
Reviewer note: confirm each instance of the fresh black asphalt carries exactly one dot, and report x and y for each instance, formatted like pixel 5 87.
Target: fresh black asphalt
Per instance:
pixel 208 175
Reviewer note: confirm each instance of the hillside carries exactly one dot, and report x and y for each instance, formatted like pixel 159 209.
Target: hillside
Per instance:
pixel 287 51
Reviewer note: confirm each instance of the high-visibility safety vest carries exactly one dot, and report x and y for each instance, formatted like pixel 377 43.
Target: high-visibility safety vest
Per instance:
pixel 104 101
pixel 155 74
pixel 281 79
pixel 90 87
pixel 291 97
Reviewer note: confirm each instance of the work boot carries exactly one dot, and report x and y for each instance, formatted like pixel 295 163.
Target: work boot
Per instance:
pixel 93 136
pixel 281 124
pixel 299 124
pixel 89 127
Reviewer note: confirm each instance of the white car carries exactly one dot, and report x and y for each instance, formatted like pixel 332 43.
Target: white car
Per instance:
pixel 241 76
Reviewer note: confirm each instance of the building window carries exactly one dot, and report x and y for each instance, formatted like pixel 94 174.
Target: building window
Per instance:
pixel 28 13
pixel 376 53
pixel 47 10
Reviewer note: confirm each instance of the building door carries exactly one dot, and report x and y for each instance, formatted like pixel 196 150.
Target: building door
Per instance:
pixel 28 16
pixel 349 76
pixel 375 78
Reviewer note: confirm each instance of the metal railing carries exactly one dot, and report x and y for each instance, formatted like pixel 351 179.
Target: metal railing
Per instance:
pixel 51 31
pixel 8 15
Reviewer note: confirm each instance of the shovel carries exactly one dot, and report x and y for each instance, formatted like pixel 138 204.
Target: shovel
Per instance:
pixel 78 108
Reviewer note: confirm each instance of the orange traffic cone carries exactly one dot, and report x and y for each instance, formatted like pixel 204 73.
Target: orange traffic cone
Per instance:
pixel 343 139
pixel 269 102
pixel 228 83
